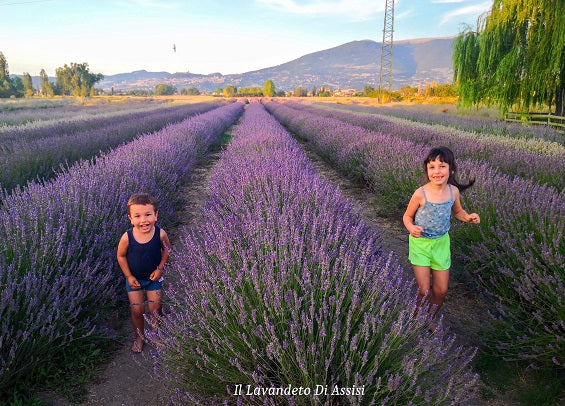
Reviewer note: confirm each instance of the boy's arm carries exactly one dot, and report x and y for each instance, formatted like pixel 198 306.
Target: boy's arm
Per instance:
pixel 123 262
pixel 165 250
pixel 460 213
pixel 408 218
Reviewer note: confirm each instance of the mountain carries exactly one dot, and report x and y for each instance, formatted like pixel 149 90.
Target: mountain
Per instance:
pixel 349 66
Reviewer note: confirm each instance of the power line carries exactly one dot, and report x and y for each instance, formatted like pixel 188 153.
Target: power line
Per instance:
pixel 24 2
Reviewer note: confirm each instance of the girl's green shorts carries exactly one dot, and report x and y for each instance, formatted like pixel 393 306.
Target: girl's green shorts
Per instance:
pixel 432 252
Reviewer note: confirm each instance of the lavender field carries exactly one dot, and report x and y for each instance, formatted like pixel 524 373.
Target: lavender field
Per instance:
pixel 58 237
pixel 282 282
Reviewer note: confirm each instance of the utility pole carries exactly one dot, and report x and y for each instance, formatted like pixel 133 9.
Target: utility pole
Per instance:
pixel 385 76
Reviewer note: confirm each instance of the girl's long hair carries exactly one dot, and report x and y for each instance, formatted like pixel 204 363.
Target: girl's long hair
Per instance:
pixel 446 155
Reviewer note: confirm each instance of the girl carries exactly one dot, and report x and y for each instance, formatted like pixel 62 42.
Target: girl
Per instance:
pixel 427 219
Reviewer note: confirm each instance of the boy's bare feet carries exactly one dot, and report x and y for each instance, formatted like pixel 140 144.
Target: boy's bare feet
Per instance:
pixel 137 346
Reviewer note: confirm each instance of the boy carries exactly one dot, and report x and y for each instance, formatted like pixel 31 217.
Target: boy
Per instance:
pixel 143 251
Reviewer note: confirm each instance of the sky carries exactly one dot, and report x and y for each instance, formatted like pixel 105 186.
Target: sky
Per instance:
pixel 226 36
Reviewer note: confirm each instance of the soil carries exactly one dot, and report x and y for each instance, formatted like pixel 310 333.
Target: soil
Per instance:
pixel 127 379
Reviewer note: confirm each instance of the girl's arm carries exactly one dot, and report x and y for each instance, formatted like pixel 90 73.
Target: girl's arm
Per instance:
pixel 123 262
pixel 165 250
pixel 459 213
pixel 408 218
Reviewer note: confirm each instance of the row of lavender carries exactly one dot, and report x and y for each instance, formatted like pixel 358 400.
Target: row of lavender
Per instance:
pixel 518 251
pixel 39 156
pixel 481 125
pixel 33 112
pixel 545 168
pixel 283 286
pixel 58 240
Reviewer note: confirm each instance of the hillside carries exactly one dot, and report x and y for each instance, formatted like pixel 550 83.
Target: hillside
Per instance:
pixel 349 66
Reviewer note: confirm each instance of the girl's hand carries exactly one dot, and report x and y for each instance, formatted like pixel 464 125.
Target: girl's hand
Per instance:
pixel 155 275
pixel 416 231
pixel 474 218
pixel 133 282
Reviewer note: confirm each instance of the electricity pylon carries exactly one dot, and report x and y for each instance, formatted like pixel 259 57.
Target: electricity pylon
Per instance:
pixel 385 76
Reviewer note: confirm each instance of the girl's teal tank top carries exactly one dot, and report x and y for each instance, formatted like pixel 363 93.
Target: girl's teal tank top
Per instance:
pixel 434 218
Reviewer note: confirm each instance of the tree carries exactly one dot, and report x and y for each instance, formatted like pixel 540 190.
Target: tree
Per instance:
pixel 269 88
pixel 28 85
pixel 300 92
pixel 75 80
pixel 5 84
pixel 163 89
pixel 230 91
pixel 46 86
pixel 191 91
pixel 516 59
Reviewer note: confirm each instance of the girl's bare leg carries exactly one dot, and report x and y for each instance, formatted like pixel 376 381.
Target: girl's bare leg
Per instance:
pixel 439 288
pixel 422 275
pixel 137 306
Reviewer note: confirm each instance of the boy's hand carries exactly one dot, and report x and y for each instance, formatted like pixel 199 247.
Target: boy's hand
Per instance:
pixel 133 282
pixel 474 218
pixel 416 231
pixel 155 275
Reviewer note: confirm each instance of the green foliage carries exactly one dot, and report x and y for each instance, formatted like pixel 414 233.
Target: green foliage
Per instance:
pixel 444 90
pixel 269 88
pixel 300 92
pixel 9 86
pixel 250 91
pixel 46 86
pixel 324 92
pixel 28 85
pixel 524 386
pixel 163 89
pixel 517 60
pixel 230 91
pixel 68 371
pixel 191 91
pixel 75 80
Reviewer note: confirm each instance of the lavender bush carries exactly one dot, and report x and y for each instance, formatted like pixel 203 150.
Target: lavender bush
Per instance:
pixel 518 251
pixel 20 161
pixel 34 112
pixel 58 239
pixel 282 285
pixel 482 125
pixel 540 161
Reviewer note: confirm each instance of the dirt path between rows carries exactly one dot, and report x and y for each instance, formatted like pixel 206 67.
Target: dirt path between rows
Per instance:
pixel 127 380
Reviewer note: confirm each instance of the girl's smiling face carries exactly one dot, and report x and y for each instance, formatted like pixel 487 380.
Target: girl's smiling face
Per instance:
pixel 143 217
pixel 438 171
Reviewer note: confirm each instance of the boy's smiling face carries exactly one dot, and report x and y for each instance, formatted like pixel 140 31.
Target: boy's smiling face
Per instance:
pixel 143 217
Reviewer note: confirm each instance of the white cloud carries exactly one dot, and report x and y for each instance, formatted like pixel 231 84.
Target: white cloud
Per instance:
pixel 468 11
pixel 355 10
pixel 447 1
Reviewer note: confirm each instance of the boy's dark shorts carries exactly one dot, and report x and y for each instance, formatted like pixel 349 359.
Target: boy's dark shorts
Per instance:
pixel 146 284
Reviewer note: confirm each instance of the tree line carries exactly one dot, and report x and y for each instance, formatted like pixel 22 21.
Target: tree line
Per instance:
pixel 70 80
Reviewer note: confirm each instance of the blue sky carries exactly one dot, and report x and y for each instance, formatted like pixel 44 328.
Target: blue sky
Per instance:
pixel 227 36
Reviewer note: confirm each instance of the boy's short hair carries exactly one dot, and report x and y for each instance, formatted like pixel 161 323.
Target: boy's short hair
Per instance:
pixel 143 199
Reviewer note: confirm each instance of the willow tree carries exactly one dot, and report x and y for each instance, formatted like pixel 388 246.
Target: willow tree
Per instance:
pixel 516 59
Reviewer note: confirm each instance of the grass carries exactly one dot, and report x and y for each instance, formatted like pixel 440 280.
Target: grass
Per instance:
pixel 518 384
pixel 220 144
pixel 69 370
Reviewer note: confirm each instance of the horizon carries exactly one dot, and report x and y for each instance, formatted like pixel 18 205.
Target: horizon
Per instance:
pixel 125 36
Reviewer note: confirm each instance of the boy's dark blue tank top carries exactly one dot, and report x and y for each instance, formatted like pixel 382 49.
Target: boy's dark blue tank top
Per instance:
pixel 143 259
